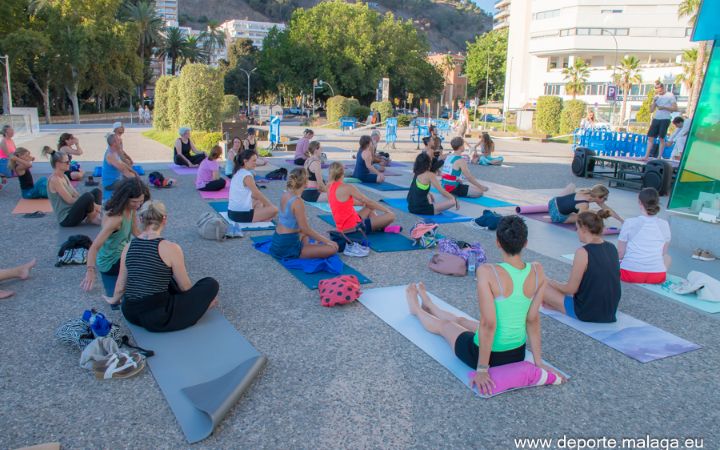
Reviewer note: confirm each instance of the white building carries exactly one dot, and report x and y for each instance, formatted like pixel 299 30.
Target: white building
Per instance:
pixel 246 29
pixel 167 9
pixel 547 35
pixel 501 19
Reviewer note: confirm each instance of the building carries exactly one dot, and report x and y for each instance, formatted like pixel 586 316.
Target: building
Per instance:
pixel 501 19
pixel 167 9
pixel 546 36
pixel 455 81
pixel 246 29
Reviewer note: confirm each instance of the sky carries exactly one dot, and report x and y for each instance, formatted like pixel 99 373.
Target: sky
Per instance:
pixel 487 5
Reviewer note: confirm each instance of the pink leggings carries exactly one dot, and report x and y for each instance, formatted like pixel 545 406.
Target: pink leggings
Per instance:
pixel 517 375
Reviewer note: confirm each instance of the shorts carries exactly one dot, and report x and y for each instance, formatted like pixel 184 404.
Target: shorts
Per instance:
pixel 629 276
pixel 369 178
pixel 554 212
pixel 310 195
pixel 658 128
pixel 422 210
pixel 461 190
pixel 299 161
pixel 241 216
pixel 4 171
pixel 570 306
pixel 466 350
pixel 285 246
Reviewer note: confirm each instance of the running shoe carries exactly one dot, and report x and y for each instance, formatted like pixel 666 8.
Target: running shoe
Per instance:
pixel 356 250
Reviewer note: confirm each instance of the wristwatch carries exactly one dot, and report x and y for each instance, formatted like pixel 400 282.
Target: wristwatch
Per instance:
pixel 483 368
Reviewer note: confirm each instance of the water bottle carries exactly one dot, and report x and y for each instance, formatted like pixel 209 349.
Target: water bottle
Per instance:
pixel 472 260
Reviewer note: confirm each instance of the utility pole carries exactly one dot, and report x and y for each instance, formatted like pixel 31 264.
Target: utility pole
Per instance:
pixel 487 84
pixel 248 88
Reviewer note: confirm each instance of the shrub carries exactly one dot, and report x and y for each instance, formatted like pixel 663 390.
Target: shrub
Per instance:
pixel 360 112
pixel 643 114
pixel 173 104
pixel 547 114
pixel 404 120
pixel 337 107
pixel 205 140
pixel 384 108
pixel 200 92
pixel 162 120
pixel 572 113
pixel 230 107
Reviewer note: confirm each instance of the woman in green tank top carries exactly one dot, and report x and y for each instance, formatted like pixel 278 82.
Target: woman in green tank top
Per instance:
pixel 118 227
pixel 509 295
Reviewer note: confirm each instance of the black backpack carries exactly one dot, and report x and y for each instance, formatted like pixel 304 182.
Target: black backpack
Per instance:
pixel 277 174
pixel 74 250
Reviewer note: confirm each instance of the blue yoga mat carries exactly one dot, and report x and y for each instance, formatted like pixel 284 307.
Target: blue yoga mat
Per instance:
pixel 311 280
pixel 380 242
pixel 219 206
pixel 443 217
pixel 385 186
pixel 487 202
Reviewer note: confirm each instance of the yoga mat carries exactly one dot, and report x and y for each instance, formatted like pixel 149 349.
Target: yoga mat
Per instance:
pixel 485 201
pixel 387 172
pixel 390 305
pixel 630 336
pixel 139 169
pixel 311 280
pixel 444 217
pixel 183 170
pixel 202 370
pixel 25 206
pixel 544 217
pixel 253 226
pixel 325 206
pixel 385 186
pixel 215 195
pixel 532 209
pixel 322 165
pixel 351 180
pixel 380 242
pixel 690 300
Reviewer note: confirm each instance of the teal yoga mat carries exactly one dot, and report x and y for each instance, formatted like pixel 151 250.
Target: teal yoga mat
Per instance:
pixel 380 242
pixel 311 280
pixel 201 387
pixel 443 217
pixel 385 186
pixel 485 201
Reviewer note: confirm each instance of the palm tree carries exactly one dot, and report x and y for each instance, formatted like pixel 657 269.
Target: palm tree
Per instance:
pixel 194 51
pixel 690 9
pixel 628 73
pixel 149 27
pixel 173 47
pixel 213 38
pixel 687 77
pixel 576 76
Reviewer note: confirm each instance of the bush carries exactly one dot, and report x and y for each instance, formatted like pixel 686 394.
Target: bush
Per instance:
pixel 200 92
pixel 173 104
pixel 230 107
pixel 206 140
pixel 572 113
pixel 643 115
pixel 384 108
pixel 547 114
pixel 337 107
pixel 162 120
pixel 404 120
pixel 360 112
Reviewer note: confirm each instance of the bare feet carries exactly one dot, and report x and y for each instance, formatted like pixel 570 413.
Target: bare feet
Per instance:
pixel 6 294
pixel 427 304
pixel 412 299
pixel 213 303
pixel 24 270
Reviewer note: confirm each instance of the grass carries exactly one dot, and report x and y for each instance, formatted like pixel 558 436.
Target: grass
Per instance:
pixel 166 137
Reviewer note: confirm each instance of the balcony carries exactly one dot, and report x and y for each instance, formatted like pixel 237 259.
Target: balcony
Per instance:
pixel 502 4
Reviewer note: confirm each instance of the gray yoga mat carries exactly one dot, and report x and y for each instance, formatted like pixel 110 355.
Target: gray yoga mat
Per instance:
pixel 202 370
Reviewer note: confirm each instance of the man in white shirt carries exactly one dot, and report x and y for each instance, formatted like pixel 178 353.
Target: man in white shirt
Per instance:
pixel 462 120
pixel 679 137
pixel 664 104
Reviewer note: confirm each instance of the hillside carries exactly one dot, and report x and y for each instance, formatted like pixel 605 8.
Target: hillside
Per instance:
pixel 448 24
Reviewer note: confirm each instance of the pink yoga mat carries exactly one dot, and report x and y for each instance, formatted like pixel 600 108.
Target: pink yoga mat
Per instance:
pixel 542 217
pixel 216 195
pixel 532 209
pixel 182 170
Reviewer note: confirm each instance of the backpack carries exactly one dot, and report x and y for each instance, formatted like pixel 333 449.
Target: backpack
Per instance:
pixel 211 226
pixel 339 290
pixel 489 220
pixel 74 250
pixel 277 174
pixel 463 249
pixel 448 264
pixel 424 234
pixel 158 180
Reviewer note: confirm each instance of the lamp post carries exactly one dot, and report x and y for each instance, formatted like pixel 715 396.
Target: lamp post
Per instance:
pixel 7 78
pixel 318 85
pixel 248 88
pixel 612 111
pixel 487 85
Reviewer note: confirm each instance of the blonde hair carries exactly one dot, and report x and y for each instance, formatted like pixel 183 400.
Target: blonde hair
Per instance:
pixel 152 213
pixel 313 147
pixel 336 171
pixel 47 151
pixel 19 152
pixel 598 191
pixel 297 179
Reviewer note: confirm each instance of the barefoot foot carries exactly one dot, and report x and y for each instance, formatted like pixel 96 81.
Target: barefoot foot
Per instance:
pixel 412 299
pixel 26 268
pixel 6 294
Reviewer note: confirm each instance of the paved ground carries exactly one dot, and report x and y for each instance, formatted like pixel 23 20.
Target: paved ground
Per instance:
pixel 340 377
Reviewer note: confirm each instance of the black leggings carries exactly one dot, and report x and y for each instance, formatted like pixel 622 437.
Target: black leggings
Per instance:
pixel 194 159
pixel 214 185
pixel 84 205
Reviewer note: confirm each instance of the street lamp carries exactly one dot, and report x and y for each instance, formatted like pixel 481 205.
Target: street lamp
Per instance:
pixel 7 78
pixel 318 85
pixel 605 30
pixel 248 90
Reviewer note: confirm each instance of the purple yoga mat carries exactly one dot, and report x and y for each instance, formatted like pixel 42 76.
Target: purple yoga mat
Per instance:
pixel 323 165
pixel 216 195
pixel 182 170
pixel 532 209
pixel 542 217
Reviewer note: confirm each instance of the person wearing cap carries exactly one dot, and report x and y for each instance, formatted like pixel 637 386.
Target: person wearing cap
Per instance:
pixel 119 130
pixel 184 149
pixel 302 147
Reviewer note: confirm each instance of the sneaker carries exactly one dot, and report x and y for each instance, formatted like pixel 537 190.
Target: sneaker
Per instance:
pixel 234 231
pixel 356 250
pixel 703 255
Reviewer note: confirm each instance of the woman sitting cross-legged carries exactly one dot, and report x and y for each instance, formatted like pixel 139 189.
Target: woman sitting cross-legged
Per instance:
pixel 118 227
pixel 419 199
pixel 153 284
pixel 186 154
pixel 365 171
pixel 71 208
pixel 593 292
pixel 316 190
pixel 643 243
pixel 21 161
pixel 246 203
pixel 509 294
pixel 292 236
pixel 208 175
pixel 487 147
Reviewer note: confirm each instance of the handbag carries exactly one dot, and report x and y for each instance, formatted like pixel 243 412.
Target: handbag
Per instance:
pixel 339 290
pixel 448 264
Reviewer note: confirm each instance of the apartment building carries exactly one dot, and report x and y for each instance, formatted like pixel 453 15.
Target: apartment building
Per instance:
pixel 501 19
pixel 546 36
pixel 247 29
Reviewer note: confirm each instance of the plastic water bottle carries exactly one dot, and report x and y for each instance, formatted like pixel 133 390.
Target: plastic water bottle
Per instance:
pixel 472 260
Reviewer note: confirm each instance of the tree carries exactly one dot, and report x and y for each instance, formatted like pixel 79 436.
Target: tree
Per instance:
pixel 573 112
pixel 148 27
pixel 194 52
pixel 200 97
pixel 690 9
pixel 644 115
pixel 486 60
pixel 173 46
pixel 628 73
pixel 547 114
pixel 576 76
pixel 687 77
pixel 213 38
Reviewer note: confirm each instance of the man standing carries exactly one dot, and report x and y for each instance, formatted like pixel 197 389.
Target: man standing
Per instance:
pixel 663 105
pixel 463 119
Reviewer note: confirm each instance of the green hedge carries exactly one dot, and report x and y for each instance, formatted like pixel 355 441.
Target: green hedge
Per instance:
pixel 200 92
pixel 173 104
pixel 360 112
pixel 337 107
pixel 644 114
pixel 404 120
pixel 572 113
pixel 203 140
pixel 547 114
pixel 162 120
pixel 384 108
pixel 230 107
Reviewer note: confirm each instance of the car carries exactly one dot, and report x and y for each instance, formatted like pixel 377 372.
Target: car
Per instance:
pixel 491 118
pixel 295 110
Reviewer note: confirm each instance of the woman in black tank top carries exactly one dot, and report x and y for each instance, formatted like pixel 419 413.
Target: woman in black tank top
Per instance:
pixel 184 149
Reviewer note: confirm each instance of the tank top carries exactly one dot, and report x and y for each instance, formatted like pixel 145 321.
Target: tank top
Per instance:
pixel 417 196
pixel 147 273
pixel 511 312
pixel 10 144
pixel 240 197
pixel 343 212
pixel 286 216
pixel 599 292
pixel 567 204
pixel 311 174
pixel 60 206
pixel 111 250
pixel 26 180
pixel 450 176
pixel 251 146
pixel 185 148
pixel 361 171
pixel 110 173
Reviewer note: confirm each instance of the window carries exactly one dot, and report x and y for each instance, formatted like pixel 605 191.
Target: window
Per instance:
pixel 611 11
pixel 567 32
pixel 552 88
pixel 546 14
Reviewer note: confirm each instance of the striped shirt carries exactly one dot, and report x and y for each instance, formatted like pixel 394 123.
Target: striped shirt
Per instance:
pixel 147 273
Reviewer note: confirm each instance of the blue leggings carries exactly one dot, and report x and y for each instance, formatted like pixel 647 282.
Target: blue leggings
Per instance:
pixel 39 190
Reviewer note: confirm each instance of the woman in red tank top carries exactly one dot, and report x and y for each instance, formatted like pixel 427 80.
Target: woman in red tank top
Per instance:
pixel 343 197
